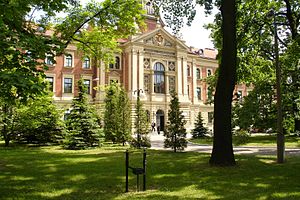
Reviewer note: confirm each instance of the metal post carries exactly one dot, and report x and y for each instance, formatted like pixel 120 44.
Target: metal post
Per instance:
pixel 126 165
pixel 280 135
pixel 137 183
pixel 144 167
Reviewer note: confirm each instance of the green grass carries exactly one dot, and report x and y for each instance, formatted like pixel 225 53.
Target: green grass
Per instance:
pixel 258 140
pixel 52 173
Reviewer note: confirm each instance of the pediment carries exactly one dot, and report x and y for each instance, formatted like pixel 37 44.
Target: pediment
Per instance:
pixel 160 37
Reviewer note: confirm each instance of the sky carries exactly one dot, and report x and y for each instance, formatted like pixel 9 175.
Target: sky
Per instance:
pixel 195 35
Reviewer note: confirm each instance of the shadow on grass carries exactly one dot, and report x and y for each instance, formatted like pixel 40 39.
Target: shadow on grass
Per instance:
pixel 52 173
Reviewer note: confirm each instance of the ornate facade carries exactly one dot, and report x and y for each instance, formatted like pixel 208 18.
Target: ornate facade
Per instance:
pixel 154 62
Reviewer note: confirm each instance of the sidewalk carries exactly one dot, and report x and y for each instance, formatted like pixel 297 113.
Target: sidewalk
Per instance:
pixel 157 142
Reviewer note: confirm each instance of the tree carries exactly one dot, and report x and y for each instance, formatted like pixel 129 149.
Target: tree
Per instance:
pixel 25 41
pixel 23 49
pixel 199 130
pixel 39 122
pixel 83 129
pixel 175 132
pixel 124 110
pixel 117 114
pixel 222 153
pixel 142 124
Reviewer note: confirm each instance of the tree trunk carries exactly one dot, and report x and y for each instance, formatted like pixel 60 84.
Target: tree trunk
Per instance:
pixel 222 153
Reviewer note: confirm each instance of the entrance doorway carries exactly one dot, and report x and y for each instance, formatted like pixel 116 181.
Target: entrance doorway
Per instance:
pixel 160 120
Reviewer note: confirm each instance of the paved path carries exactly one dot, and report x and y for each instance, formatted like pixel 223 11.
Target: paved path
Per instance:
pixel 157 143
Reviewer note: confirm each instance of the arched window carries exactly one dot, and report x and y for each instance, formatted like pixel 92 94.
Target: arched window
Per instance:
pixel 86 63
pixel 198 73
pixel 159 78
pixel 68 60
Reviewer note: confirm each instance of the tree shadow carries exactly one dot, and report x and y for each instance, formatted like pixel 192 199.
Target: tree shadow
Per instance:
pixel 47 173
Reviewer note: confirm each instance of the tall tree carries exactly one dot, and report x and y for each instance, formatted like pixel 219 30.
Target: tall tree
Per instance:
pixel 25 41
pixel 142 123
pixel 175 132
pixel 83 129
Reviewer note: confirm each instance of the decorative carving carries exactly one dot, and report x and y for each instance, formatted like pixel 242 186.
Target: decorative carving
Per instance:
pixel 168 43
pixel 147 63
pixel 171 66
pixel 158 39
pixel 172 83
pixel 149 41
pixel 146 83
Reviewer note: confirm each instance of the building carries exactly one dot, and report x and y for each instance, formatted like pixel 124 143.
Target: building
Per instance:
pixel 154 62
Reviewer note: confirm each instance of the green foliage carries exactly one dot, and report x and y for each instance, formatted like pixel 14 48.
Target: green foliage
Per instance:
pixel 142 124
pixel 175 132
pixel 199 130
pixel 258 109
pixel 241 137
pixel 83 129
pixel 144 142
pixel 39 122
pixel 97 26
pixel 117 114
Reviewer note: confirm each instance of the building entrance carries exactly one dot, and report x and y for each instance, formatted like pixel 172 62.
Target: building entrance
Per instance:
pixel 160 120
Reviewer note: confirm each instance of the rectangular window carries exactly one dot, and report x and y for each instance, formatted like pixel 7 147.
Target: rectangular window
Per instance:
pixel 68 85
pixel 48 60
pixel 199 93
pixel 209 72
pixel 87 84
pixel 51 83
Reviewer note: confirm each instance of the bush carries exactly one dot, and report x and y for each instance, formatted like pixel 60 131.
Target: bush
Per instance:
pixel 145 142
pixel 241 137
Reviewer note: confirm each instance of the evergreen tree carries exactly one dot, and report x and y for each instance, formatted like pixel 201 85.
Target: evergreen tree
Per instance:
pixel 117 115
pixel 111 115
pixel 83 129
pixel 142 124
pixel 199 130
pixel 175 131
pixel 124 112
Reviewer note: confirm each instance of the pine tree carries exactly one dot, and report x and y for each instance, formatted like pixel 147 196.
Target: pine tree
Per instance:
pixel 111 119
pixel 175 132
pixel 117 115
pixel 83 129
pixel 142 124
pixel 199 130
pixel 124 110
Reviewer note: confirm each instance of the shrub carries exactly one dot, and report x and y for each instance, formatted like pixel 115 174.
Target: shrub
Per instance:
pixel 241 137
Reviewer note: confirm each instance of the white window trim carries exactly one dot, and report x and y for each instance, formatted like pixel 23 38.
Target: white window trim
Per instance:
pixel 72 54
pixel 209 69
pixel 54 81
pixel 63 84
pixel 53 64
pixel 90 78
pixel 90 67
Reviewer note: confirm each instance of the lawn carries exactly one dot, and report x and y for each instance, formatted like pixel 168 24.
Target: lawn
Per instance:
pixel 258 140
pixel 52 173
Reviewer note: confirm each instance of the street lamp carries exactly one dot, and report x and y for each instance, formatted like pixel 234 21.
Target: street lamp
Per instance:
pixel 138 104
pixel 280 135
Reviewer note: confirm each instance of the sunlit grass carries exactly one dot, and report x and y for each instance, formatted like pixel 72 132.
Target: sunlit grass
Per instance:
pixel 257 140
pixel 54 173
